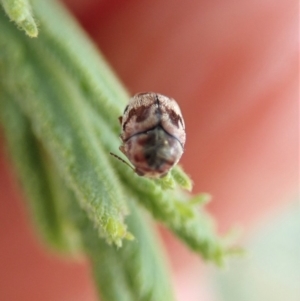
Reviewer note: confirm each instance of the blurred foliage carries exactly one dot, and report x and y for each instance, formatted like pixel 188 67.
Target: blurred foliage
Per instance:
pixel 271 270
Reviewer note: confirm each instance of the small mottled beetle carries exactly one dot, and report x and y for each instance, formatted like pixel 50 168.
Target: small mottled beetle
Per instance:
pixel 153 134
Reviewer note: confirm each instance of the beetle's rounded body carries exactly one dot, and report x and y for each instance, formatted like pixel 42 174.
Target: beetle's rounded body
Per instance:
pixel 153 134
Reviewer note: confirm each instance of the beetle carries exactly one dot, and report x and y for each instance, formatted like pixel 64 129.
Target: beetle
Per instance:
pixel 153 134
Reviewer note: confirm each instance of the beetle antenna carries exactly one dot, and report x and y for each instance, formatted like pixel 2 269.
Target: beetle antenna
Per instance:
pixel 114 155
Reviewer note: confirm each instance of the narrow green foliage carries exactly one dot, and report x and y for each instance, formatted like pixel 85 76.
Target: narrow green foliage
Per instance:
pixel 59 105
pixel 19 11
pixel 24 149
pixel 200 200
pixel 82 61
pixel 181 178
pixel 134 272
pixel 167 182
pixel 65 129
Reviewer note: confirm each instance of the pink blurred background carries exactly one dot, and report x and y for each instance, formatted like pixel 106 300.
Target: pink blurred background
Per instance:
pixel 233 66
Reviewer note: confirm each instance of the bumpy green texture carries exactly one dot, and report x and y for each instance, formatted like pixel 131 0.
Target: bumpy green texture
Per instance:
pixel 19 11
pixel 59 108
pixel 134 272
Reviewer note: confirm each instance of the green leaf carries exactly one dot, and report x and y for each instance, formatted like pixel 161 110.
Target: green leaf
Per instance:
pixel 19 11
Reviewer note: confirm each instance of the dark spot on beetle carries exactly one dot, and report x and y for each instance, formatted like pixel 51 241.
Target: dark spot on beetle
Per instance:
pixel 157 100
pixel 175 119
pixel 126 108
pixel 138 158
pixel 141 113
pixel 139 172
pixel 157 109
pixel 180 119
pixel 142 141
